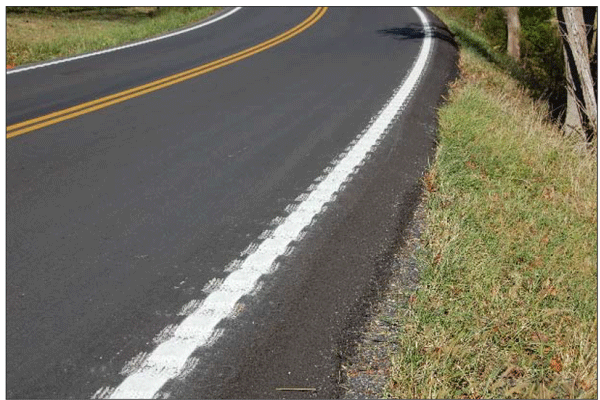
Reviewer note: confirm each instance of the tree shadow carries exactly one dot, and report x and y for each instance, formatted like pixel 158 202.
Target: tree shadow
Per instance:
pixel 416 31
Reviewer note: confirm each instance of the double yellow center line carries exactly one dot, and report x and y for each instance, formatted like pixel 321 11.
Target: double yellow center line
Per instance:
pixel 72 112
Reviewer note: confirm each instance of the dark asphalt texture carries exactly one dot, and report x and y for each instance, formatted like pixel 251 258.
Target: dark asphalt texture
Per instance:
pixel 117 218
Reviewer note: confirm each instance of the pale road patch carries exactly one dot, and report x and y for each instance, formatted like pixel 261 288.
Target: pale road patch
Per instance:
pixel 169 359
pixel 96 53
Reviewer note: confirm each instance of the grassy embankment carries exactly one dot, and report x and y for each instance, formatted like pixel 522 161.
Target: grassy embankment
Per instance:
pixel 507 305
pixel 36 34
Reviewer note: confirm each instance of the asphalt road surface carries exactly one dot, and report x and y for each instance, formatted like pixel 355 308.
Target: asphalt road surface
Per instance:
pixel 179 221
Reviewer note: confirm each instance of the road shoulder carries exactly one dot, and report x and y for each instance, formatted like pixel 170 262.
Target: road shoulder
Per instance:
pixel 365 367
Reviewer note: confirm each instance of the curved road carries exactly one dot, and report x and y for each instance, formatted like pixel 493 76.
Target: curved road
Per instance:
pixel 123 222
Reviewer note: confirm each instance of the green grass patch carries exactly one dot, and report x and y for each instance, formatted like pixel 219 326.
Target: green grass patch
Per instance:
pixel 507 305
pixel 35 34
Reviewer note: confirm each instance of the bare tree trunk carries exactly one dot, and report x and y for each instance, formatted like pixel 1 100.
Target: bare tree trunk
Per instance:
pixel 480 14
pixel 514 31
pixel 578 66
pixel 590 16
pixel 573 119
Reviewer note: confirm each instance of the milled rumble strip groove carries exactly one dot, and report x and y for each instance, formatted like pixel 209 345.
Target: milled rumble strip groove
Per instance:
pixel 168 360
pixel 126 46
pixel 75 111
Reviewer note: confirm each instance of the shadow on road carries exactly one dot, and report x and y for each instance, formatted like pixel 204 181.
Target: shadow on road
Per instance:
pixel 415 31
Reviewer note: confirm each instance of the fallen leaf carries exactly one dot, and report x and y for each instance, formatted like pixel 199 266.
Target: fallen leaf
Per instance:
pixel 548 193
pixel 556 364
pixel 430 182
pixel 412 299
pixel 536 263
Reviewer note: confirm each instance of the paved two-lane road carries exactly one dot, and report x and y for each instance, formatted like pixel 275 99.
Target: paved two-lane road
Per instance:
pixel 122 222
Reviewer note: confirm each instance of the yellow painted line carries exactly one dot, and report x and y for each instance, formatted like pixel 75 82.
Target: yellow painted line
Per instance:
pixel 75 111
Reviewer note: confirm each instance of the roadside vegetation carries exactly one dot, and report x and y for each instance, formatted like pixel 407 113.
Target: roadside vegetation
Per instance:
pixel 35 34
pixel 540 67
pixel 507 302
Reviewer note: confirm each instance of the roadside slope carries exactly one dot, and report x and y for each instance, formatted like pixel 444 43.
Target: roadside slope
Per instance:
pixel 507 301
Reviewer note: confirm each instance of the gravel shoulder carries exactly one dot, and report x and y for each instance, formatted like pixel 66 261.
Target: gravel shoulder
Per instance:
pixel 366 366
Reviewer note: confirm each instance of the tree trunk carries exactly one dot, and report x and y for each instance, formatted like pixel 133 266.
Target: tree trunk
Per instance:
pixel 590 16
pixel 573 119
pixel 579 76
pixel 514 31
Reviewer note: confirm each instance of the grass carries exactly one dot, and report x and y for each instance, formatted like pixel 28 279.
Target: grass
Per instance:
pixel 507 305
pixel 35 34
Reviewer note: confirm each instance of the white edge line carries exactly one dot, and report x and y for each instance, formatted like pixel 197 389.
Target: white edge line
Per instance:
pixel 168 35
pixel 168 360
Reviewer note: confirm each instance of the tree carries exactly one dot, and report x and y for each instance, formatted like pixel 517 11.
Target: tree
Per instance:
pixel 514 31
pixel 582 113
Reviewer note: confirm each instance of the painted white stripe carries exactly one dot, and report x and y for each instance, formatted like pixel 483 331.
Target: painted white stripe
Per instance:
pixel 198 329
pixel 212 21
